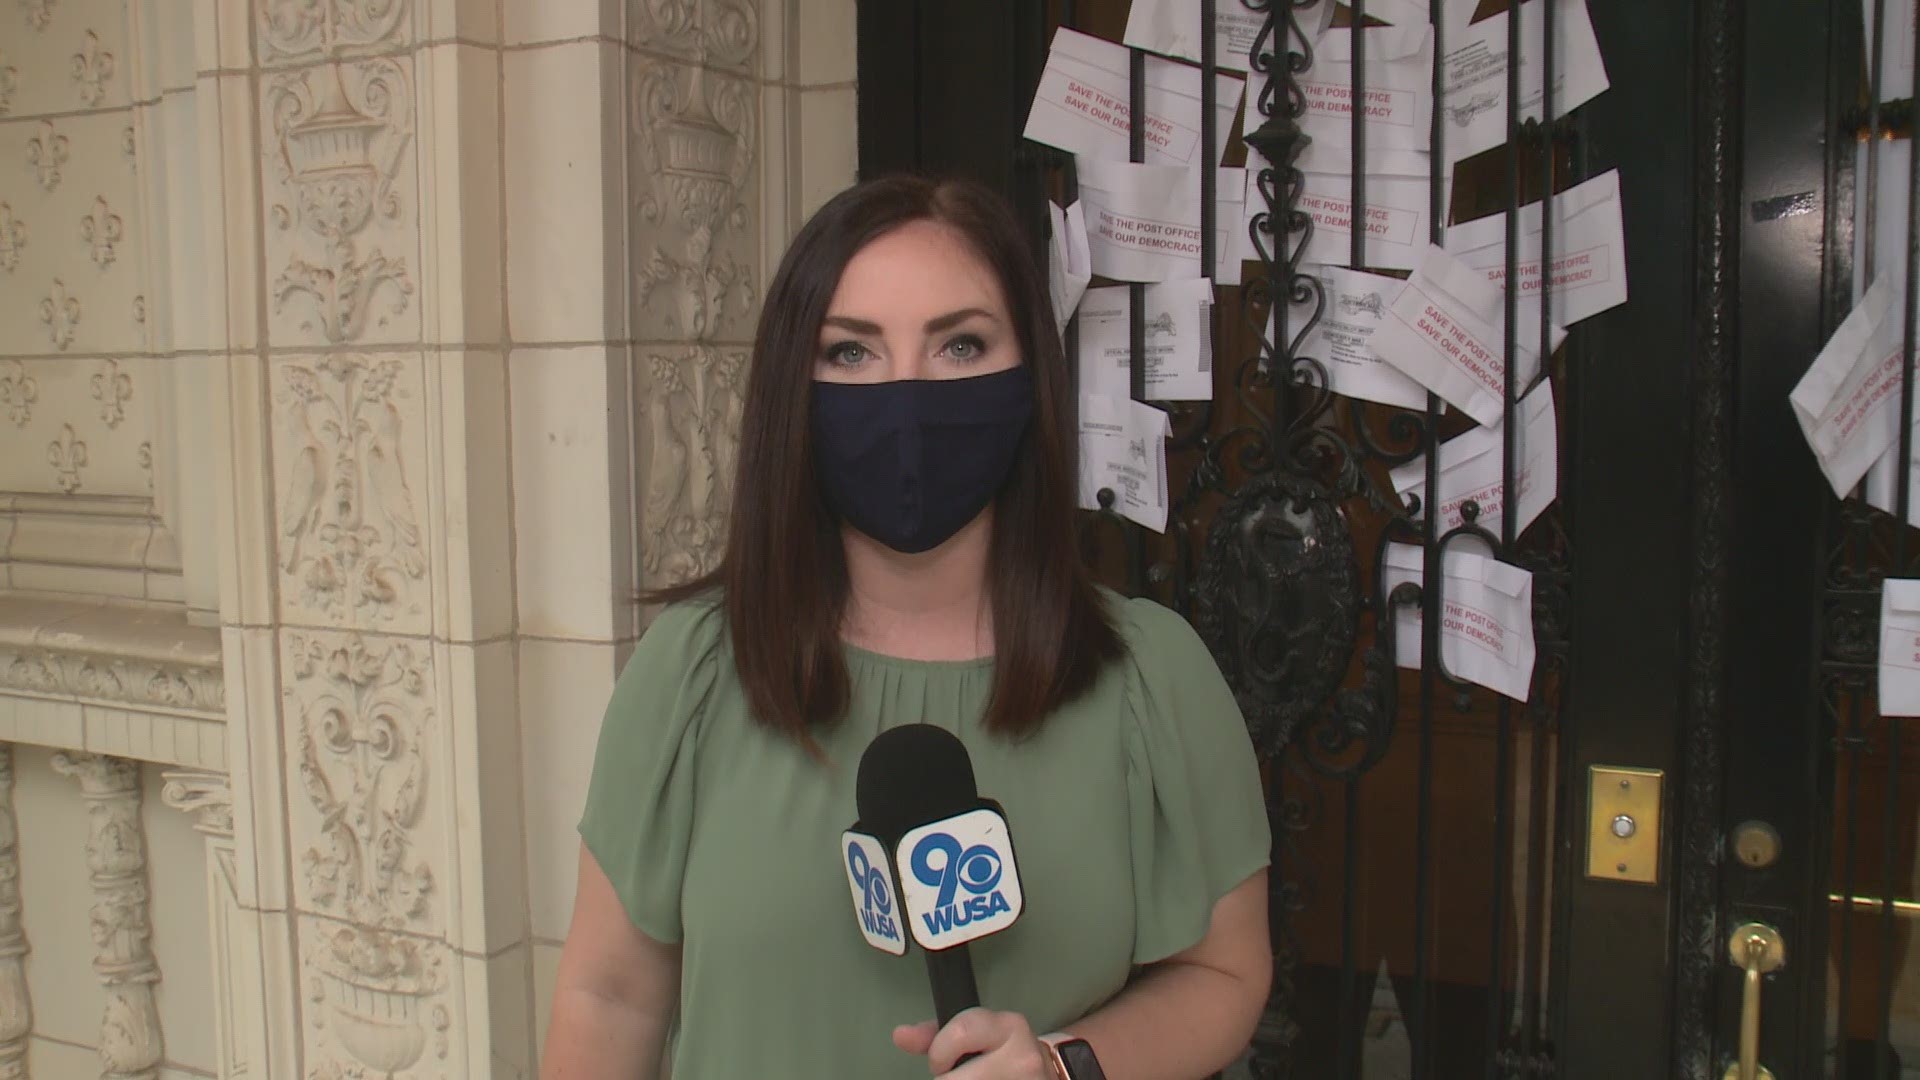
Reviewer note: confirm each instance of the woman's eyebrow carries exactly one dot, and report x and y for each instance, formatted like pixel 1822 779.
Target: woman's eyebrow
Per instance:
pixel 934 325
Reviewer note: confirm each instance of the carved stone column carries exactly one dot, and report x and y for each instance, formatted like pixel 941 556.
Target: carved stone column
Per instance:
pixel 16 1010
pixel 122 930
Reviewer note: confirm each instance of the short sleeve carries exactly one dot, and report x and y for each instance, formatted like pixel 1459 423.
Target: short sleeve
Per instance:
pixel 639 813
pixel 1198 816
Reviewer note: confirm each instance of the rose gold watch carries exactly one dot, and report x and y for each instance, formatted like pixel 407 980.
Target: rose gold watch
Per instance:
pixel 1072 1057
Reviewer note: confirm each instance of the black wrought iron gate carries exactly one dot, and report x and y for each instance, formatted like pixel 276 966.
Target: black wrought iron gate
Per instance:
pixel 1702 609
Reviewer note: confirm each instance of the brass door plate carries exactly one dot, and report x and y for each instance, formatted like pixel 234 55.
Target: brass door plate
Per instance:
pixel 1623 828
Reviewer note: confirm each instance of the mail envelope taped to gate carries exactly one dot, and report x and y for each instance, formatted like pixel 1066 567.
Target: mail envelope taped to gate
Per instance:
pixel 1179 355
pixel 1589 272
pixel 1900 647
pixel 1084 103
pixel 1446 330
pixel 1486 630
pixel 1143 221
pixel 1351 305
pixel 1473 464
pixel 1069 266
pixel 1848 402
pixel 1396 106
pixel 1398 200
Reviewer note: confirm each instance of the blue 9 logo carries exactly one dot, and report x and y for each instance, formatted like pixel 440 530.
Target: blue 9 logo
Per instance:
pixel 977 868
pixel 873 883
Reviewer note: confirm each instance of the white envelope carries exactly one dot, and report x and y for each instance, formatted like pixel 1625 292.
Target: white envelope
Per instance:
pixel 1179 342
pixel 1083 103
pixel 1473 466
pixel 1143 221
pixel 1123 447
pixel 1589 250
pixel 1486 632
pixel 1447 331
pixel 1900 648
pixel 1879 487
pixel 1398 203
pixel 1848 402
pixel 1172 28
pixel 1355 303
pixel 1399 88
pixel 1069 267
pixel 1475 74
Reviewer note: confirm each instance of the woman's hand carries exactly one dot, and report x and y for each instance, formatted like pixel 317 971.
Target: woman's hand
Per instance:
pixel 1007 1046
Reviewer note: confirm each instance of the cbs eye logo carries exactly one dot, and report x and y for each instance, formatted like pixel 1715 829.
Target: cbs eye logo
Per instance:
pixel 940 861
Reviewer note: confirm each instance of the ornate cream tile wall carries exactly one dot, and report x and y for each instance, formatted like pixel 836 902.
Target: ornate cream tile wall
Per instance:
pixel 359 359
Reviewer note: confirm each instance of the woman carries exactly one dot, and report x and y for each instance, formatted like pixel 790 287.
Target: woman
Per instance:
pixel 901 550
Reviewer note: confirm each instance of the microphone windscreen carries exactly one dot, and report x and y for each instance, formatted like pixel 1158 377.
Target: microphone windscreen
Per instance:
pixel 911 775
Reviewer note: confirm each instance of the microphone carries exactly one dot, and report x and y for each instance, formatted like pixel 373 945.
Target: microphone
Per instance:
pixel 929 857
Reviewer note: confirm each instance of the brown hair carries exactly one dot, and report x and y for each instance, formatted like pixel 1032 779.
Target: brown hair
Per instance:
pixel 783 577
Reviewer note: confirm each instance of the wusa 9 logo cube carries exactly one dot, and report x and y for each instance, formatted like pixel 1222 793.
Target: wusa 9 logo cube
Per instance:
pixel 873 892
pixel 958 879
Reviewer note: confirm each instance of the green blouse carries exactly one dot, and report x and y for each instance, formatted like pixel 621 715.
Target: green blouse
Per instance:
pixel 1134 809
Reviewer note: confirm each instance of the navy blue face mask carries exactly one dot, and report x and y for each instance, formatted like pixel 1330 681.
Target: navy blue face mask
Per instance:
pixel 910 462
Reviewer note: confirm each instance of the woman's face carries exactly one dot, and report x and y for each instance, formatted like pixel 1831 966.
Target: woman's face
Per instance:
pixel 917 303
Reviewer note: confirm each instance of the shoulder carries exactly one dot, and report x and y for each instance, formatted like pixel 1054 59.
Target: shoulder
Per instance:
pixel 1154 635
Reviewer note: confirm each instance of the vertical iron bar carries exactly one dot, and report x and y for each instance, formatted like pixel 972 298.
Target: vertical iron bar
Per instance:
pixel 1136 302
pixel 1531 989
pixel 1851 743
pixel 1872 201
pixel 1889 888
pixel 1509 510
pixel 1346 1024
pixel 1420 1012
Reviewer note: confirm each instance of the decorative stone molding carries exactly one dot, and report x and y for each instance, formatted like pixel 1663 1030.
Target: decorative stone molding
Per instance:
pixel 61 314
pixel 208 796
pixel 101 229
pixel 346 446
pixel 18 390
pixel 112 388
pixel 693 403
pixel 378 992
pixel 68 455
pixel 47 152
pixel 361 713
pixel 122 928
pixel 92 67
pixel 721 33
pixel 13 237
pixel 9 82
pixel 304 29
pixel 340 135
pixel 16 1007
pixel 39 12
pixel 698 146
pixel 96 677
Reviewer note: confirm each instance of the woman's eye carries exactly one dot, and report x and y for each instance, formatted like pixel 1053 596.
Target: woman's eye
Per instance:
pixel 847 353
pixel 967 347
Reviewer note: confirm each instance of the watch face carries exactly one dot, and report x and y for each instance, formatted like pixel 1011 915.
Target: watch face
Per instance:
pixel 1077 1056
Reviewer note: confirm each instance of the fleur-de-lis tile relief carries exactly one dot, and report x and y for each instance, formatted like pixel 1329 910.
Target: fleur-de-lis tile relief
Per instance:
pixel 130 148
pixel 61 313
pixel 39 12
pixel 18 392
pixel 92 67
pixel 68 455
pixel 47 153
pixel 9 82
pixel 112 388
pixel 101 229
pixel 13 238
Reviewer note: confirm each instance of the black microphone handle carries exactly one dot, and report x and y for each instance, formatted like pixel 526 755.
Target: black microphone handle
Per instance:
pixel 951 973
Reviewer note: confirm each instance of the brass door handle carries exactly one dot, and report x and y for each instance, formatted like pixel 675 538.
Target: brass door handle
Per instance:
pixel 1756 949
